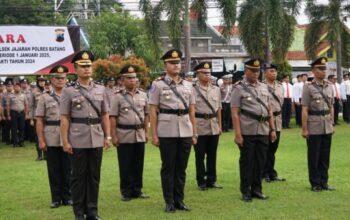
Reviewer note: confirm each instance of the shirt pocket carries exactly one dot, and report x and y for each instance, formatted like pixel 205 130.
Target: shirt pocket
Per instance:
pixel 167 94
pixel 77 102
pixel 125 108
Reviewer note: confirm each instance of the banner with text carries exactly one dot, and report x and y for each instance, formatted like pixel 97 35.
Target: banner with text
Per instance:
pixel 28 50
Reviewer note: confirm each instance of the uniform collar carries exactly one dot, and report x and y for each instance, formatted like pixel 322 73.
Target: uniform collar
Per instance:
pixel 127 92
pixel 325 83
pixel 92 85
pixel 249 84
pixel 169 80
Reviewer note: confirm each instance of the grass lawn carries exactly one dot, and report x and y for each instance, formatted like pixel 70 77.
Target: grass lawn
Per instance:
pixel 25 194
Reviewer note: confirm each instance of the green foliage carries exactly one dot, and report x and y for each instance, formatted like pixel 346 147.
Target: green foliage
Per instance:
pixel 25 192
pixel 283 69
pixel 261 24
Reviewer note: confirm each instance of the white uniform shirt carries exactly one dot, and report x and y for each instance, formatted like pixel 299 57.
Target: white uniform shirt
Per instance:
pixel 288 90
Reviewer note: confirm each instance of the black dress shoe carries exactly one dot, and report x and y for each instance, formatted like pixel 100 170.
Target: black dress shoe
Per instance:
pixel 327 187
pixel 214 186
pixel 281 179
pixel 38 158
pixel 169 207
pixel 93 217
pixel 267 179
pixel 202 187
pixel 247 198
pixel 67 202
pixel 55 205
pixel 126 198
pixel 181 206
pixel 142 196
pixel 79 217
pixel 259 195
pixel 316 188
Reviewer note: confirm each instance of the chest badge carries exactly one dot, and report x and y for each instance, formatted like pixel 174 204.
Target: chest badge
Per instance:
pixel 167 97
pixel 317 101
pixel 249 98
pixel 126 109
pixel 78 106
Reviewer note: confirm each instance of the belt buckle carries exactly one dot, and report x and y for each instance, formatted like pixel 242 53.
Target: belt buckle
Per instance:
pixel 206 116
pixel 88 121
pixel 262 119
pixel 139 126
pixel 181 112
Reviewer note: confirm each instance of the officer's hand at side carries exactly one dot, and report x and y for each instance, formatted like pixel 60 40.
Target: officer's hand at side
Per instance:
pixel 305 133
pixel 239 140
pixel 42 145
pixel 194 140
pixel 9 118
pixel 115 141
pixel 273 136
pixel 146 141
pixel 68 148
pixel 31 122
pixel 106 144
pixel 155 141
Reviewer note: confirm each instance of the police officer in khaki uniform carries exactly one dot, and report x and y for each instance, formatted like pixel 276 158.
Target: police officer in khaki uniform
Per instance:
pixel 48 130
pixel 17 111
pixel 253 124
pixel 2 92
pixel 37 92
pixel 208 122
pixel 85 130
pixel 129 130
pixel 110 88
pixel 6 133
pixel 172 117
pixel 226 91
pixel 317 125
pixel 276 101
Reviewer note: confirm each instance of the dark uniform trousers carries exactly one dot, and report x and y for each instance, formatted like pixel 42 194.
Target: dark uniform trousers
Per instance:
pixel 336 107
pixel 206 145
pixel 269 168
pixel 286 112
pixel 298 113
pixel 226 116
pixel 318 154
pixel 174 153
pixel 27 130
pixel 58 167
pixel 131 159
pixel 6 130
pixel 85 179
pixel 252 161
pixel 347 115
pixel 17 126
pixel 345 111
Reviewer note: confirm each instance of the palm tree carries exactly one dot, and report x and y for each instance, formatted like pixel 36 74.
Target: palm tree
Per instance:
pixel 177 17
pixel 267 25
pixel 329 19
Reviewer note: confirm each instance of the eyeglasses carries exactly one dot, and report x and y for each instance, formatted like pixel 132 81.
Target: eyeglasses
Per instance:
pixel 174 62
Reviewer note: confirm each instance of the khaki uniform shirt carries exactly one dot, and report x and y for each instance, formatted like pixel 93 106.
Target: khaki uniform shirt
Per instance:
pixel 244 100
pixel 49 109
pixel 75 105
pixel 17 101
pixel 318 124
pixel 226 92
pixel 36 93
pixel 276 105
pixel 121 109
pixel 110 92
pixel 30 100
pixel 4 103
pixel 170 125
pixel 213 95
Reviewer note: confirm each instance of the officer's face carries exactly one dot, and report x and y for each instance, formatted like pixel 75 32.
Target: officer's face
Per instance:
pixel 111 83
pixel 9 88
pixel 130 82
pixel 58 81
pixel 204 75
pixel 252 75
pixel 84 71
pixel 270 74
pixel 24 85
pixel 173 67
pixel 319 72
pixel 17 88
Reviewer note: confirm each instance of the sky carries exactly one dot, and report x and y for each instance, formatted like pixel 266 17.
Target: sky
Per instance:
pixel 213 14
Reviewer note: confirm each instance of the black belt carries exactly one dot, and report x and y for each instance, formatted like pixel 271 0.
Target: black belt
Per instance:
pixel 205 116
pixel 254 116
pixel 177 112
pixel 131 127
pixel 87 121
pixel 52 123
pixel 324 112
pixel 277 113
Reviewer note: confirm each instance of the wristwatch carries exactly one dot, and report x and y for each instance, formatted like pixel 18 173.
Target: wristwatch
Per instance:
pixel 271 130
pixel 109 138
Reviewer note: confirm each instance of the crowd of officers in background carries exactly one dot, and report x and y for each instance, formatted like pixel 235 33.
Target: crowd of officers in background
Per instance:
pixel 85 117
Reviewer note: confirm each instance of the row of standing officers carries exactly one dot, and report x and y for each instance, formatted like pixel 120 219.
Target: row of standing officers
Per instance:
pixel 83 119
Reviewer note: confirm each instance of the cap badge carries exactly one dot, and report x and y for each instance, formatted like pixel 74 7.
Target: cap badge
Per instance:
pixel 323 61
pixel 256 63
pixel 60 70
pixel 85 56
pixel 206 66
pixel 131 69
pixel 175 54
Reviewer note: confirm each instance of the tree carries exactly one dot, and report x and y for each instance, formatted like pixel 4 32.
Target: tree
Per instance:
pixel 329 20
pixel 104 68
pixel 176 11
